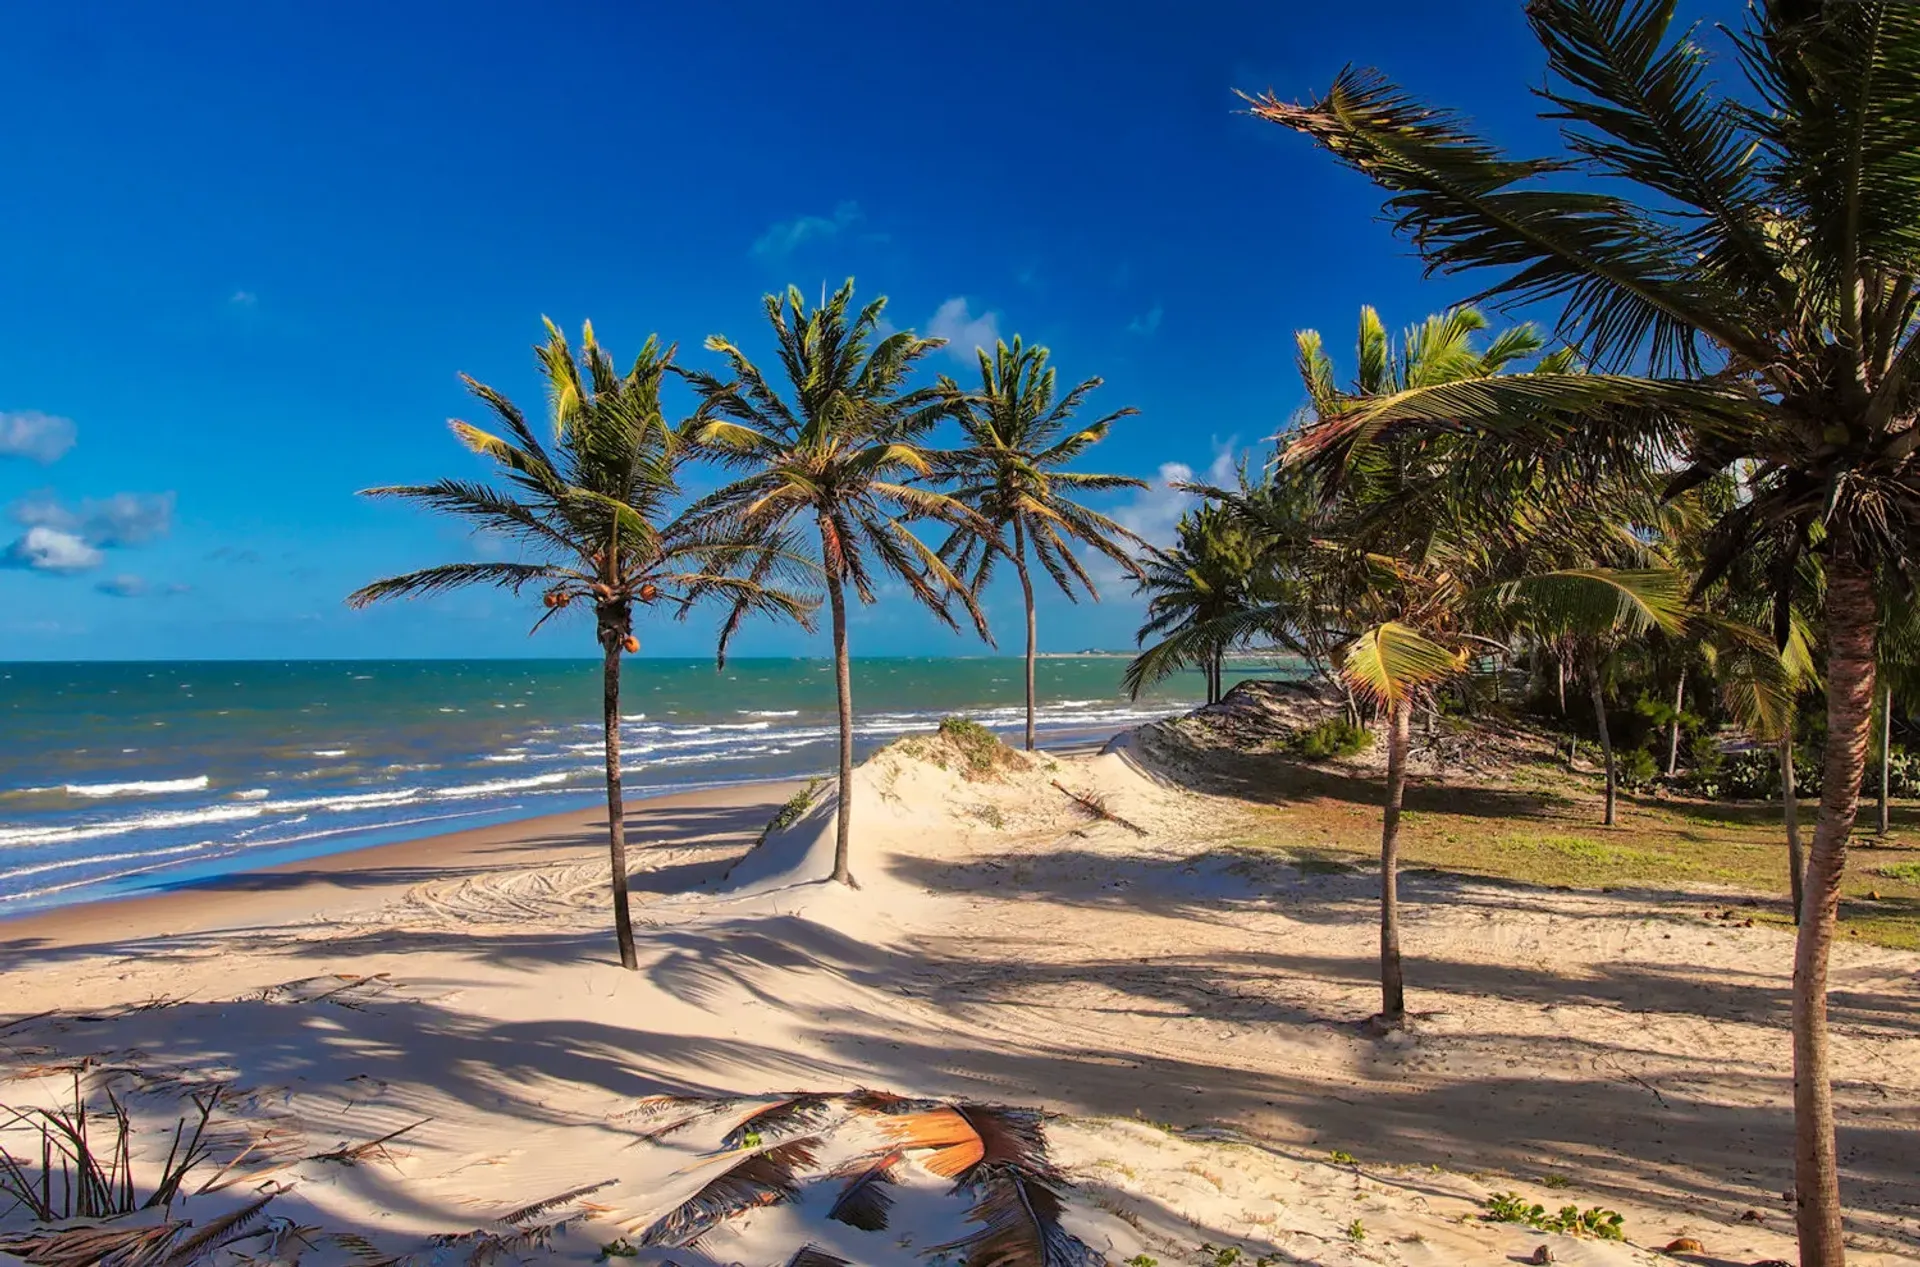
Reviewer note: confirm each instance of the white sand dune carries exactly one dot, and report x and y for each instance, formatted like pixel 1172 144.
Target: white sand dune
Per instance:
pixel 1187 1010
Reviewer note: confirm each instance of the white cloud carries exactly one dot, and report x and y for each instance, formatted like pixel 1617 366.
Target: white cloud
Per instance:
pixel 784 238
pixel 126 585
pixel 1147 322
pixel 964 332
pixel 244 299
pixel 45 549
pixel 124 519
pixel 1154 512
pixel 31 434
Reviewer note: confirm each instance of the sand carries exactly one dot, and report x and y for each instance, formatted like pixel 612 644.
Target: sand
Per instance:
pixel 1193 1016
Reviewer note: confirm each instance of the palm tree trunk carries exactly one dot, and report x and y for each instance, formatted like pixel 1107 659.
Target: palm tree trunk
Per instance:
pixel 1886 755
pixel 1560 669
pixel 1600 719
pixel 1393 993
pixel 1673 736
pixel 1026 594
pixel 843 683
pixel 616 803
pixel 1850 621
pixel 1790 802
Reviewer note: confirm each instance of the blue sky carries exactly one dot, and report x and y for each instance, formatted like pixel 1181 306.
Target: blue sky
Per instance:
pixel 248 248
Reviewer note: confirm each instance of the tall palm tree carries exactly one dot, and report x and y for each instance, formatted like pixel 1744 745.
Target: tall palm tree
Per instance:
pixel 838 449
pixel 590 515
pixel 1755 290
pixel 1437 550
pixel 1020 436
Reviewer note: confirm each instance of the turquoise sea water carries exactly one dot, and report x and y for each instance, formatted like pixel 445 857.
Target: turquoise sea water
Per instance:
pixel 118 777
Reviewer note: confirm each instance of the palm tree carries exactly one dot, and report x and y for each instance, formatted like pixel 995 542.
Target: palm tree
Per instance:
pixel 1020 435
pixel 1755 291
pixel 1203 596
pixel 590 516
pixel 838 449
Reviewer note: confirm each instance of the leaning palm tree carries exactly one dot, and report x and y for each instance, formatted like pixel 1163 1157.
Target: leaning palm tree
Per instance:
pixel 1754 287
pixel 590 514
pixel 838 450
pixel 1020 436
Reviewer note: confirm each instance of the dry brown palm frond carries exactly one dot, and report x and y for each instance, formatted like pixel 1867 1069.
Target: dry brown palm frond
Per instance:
pixel 768 1177
pixel 1019 1215
pixel 814 1256
pixel 966 1138
pixel 865 1202
pixel 800 1109
pixel 350 1155
pixel 570 1197
pixel 1095 806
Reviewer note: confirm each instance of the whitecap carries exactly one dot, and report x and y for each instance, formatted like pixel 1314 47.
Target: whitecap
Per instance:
pixel 145 787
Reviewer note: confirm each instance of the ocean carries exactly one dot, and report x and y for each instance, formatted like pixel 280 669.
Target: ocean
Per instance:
pixel 118 777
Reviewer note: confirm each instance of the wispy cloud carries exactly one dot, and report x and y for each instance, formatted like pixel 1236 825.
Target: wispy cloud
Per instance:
pixel 124 519
pixel 244 299
pixel 40 437
pixel 68 539
pixel 126 585
pixel 784 238
pixel 1147 322
pixel 963 331
pixel 1154 512
pixel 43 549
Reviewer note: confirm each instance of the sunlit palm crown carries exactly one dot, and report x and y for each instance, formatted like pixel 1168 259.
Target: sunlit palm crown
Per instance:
pixel 1771 245
pixel 839 447
pixel 589 510
pixel 1020 436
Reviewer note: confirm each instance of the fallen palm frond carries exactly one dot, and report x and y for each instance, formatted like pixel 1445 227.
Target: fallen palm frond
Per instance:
pixel 865 1202
pixel 1096 806
pixel 1019 1215
pixel 768 1177
pixel 814 1256
pixel 516 1232
pixel 354 1154
pixel 95 1175
pixel 963 1138
pixel 167 1244
pixel 801 1109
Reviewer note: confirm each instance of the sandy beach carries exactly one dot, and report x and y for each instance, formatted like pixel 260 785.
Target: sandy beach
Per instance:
pixel 1191 1012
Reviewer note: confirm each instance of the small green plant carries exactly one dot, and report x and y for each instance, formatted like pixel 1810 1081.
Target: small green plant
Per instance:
pixel 1334 737
pixel 991 816
pixel 978 747
pixel 1143 1260
pixel 620 1247
pixel 792 810
pixel 1905 871
pixel 1356 1231
pixel 1636 768
pixel 1511 1207
pixel 1221 1256
pixel 1556 1181
pixel 750 1140
pixel 1340 1158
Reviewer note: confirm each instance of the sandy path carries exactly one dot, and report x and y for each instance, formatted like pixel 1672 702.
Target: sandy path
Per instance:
pixel 1606 1049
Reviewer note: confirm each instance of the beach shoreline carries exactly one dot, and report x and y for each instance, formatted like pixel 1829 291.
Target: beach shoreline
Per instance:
pixel 367 875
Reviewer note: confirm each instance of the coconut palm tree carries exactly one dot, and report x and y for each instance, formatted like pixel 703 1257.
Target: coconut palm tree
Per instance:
pixel 589 512
pixel 1204 594
pixel 1753 290
pixel 838 449
pixel 1020 437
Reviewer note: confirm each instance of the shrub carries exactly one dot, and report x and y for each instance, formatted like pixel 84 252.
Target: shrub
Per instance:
pixel 1334 737
pixel 1636 767
pixel 980 749
pixel 1511 1207
pixel 791 811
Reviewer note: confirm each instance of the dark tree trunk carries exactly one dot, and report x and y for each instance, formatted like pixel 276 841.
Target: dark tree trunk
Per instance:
pixel 1850 621
pixel 1026 594
pixel 1393 992
pixel 1886 757
pixel 1673 735
pixel 616 803
pixel 843 683
pixel 1606 738
pixel 1790 802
